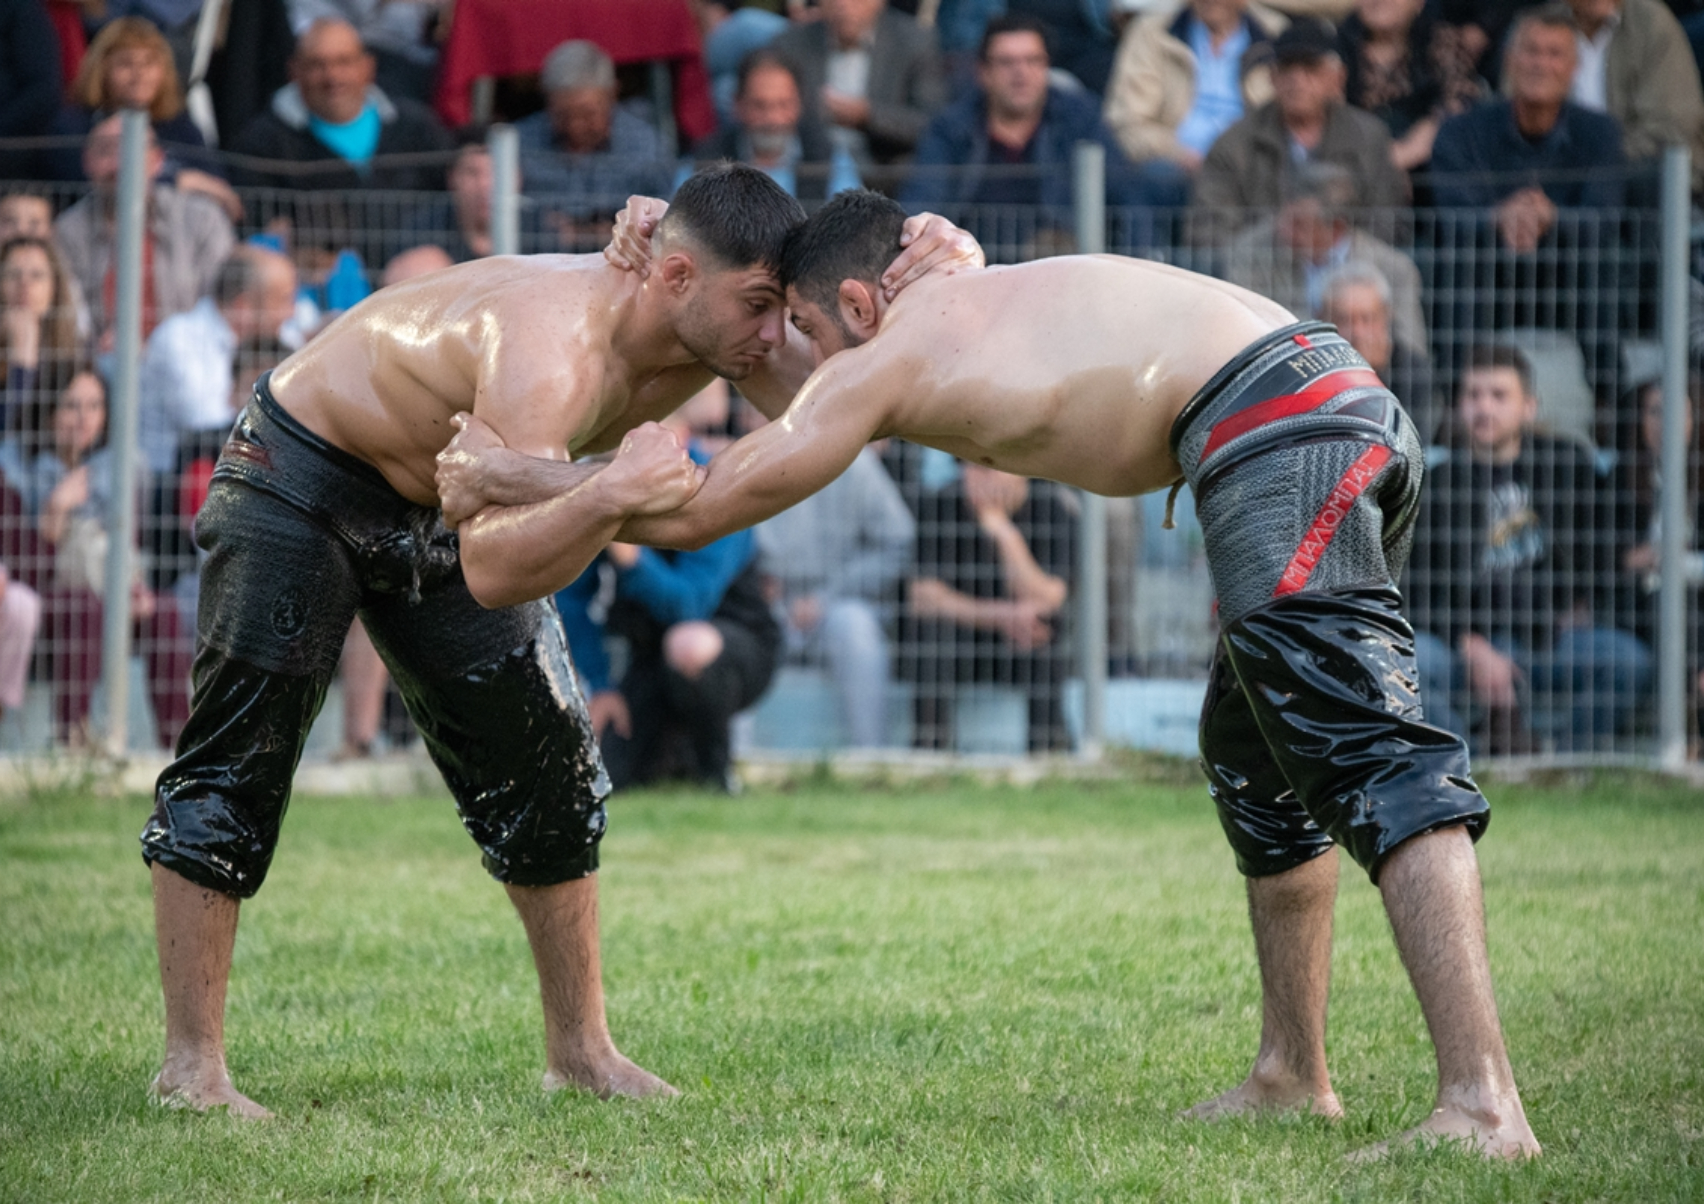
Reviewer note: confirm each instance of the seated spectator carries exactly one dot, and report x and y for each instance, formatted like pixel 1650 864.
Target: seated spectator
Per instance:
pixel 1011 142
pixel 29 82
pixel 129 66
pixel 586 154
pixel 1490 157
pixel 835 561
pixel 1080 35
pixel 337 126
pixel 25 215
pixel 38 337
pixel 1639 546
pixel 1288 256
pixel 702 645
pixel 732 31
pixel 397 33
pixel 1186 75
pixel 771 132
pixel 1357 300
pixel 1511 577
pixel 869 75
pixel 1635 64
pixel 460 223
pixel 187 237
pixel 333 137
pixel 986 601
pixel 68 490
pixel 1408 69
pixel 186 376
pixel 1246 171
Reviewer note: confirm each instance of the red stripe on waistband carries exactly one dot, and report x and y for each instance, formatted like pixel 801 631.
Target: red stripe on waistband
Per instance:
pixel 1287 405
pixel 1301 340
pixel 1350 485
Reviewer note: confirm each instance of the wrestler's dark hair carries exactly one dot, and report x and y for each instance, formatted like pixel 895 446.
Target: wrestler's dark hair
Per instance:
pixel 853 237
pixel 735 213
pixel 1484 356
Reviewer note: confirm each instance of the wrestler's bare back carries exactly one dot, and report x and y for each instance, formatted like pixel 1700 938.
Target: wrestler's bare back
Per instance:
pixel 542 347
pixel 1072 369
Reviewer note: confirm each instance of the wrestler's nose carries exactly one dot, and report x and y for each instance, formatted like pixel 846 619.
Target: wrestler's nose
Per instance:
pixel 773 332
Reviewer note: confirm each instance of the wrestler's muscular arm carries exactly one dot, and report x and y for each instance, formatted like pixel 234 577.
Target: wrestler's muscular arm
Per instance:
pixel 534 395
pixel 845 404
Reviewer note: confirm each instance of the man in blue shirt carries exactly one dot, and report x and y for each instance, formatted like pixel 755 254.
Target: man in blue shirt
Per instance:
pixel 584 155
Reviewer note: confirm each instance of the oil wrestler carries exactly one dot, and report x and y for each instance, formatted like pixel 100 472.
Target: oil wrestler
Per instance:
pixel 323 506
pixel 1123 376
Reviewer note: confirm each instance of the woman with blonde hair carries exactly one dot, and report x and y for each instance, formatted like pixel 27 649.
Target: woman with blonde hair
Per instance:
pixel 129 66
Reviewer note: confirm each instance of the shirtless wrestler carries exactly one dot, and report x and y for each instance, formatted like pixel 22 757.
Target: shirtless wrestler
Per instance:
pixel 1122 376
pixel 323 506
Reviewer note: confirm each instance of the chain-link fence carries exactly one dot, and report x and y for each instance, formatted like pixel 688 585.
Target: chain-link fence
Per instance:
pixel 906 614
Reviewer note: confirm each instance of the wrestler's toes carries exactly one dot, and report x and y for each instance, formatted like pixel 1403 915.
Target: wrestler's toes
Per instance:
pixel 619 1077
pixel 1490 1136
pixel 206 1097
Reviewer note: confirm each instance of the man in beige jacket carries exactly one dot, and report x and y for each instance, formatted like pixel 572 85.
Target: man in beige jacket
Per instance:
pixel 1185 74
pixel 1636 65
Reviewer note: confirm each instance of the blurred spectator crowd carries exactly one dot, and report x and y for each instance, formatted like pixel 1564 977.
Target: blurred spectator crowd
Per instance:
pixel 1468 191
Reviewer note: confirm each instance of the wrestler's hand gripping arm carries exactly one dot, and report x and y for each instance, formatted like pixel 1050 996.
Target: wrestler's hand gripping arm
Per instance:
pixel 842 407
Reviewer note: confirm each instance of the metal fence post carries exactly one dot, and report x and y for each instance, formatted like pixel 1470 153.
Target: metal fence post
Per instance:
pixel 133 184
pixel 505 146
pixel 1089 164
pixel 1671 598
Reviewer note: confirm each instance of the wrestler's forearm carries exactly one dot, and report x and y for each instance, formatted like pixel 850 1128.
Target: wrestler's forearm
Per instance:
pixel 689 528
pixel 513 554
pixel 511 478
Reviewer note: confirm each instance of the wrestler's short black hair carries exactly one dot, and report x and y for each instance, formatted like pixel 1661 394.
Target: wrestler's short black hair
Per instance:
pixel 853 237
pixel 735 213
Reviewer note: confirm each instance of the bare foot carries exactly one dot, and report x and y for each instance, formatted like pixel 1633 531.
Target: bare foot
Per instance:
pixel 612 1076
pixel 203 1094
pixel 1481 1131
pixel 1257 1095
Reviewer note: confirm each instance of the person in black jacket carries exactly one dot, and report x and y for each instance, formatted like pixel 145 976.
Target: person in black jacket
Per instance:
pixel 330 135
pixel 29 81
pixel 1512 573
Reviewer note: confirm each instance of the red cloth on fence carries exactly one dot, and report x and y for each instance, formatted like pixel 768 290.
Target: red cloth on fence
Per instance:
pixel 512 37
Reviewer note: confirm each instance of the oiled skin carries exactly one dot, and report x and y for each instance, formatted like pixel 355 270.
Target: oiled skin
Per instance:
pixel 546 348
pixel 1071 369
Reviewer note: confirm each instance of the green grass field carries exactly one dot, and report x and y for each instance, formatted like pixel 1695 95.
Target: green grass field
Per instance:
pixel 944 992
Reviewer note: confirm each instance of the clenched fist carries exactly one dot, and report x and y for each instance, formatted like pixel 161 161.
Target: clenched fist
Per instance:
pixel 651 473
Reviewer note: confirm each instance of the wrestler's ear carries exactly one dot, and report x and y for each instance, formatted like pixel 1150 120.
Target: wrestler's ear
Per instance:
pixel 678 271
pixel 858 309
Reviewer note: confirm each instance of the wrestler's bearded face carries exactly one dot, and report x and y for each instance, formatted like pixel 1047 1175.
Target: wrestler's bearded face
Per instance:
pixel 824 327
pixel 732 319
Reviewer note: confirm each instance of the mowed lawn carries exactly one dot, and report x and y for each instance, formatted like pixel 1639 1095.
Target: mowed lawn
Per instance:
pixel 940 992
